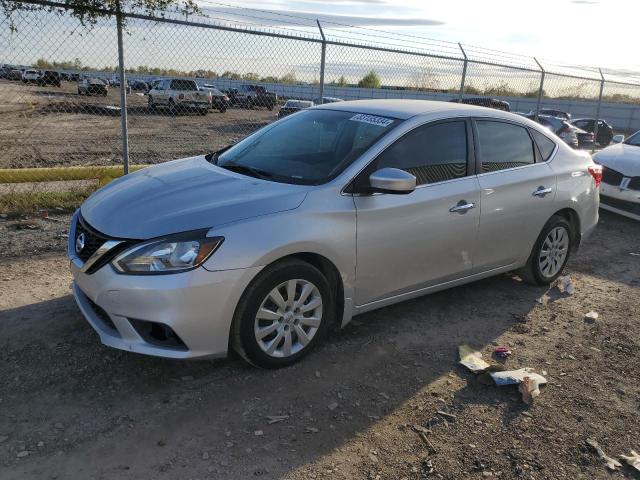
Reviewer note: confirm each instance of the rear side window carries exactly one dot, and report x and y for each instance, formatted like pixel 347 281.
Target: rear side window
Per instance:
pixel 432 153
pixel 503 145
pixel 545 145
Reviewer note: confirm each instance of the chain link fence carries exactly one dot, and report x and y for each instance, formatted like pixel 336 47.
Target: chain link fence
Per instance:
pixel 193 86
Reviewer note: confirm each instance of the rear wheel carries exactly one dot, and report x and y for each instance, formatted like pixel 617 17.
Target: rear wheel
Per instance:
pixel 150 104
pixel 550 253
pixel 284 313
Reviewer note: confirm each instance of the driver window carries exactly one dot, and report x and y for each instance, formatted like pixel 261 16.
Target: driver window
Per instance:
pixel 432 153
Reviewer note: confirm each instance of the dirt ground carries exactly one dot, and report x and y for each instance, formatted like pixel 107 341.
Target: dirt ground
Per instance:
pixel 50 126
pixel 71 408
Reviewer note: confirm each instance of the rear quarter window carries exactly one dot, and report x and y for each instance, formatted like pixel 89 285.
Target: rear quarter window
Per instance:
pixel 545 144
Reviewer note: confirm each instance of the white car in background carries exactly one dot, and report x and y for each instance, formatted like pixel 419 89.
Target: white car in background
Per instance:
pixel 31 76
pixel 620 189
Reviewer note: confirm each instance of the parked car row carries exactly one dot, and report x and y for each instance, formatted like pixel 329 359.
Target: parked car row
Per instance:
pixel 39 77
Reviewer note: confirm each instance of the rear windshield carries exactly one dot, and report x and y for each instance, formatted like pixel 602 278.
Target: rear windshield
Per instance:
pixel 183 85
pixel 309 148
pixel 298 104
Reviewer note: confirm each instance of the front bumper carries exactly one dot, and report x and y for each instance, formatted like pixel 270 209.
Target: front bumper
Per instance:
pixel 196 307
pixel 621 201
pixel 194 104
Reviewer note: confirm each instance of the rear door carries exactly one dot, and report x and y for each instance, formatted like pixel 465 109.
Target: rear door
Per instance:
pixel 517 190
pixel 408 242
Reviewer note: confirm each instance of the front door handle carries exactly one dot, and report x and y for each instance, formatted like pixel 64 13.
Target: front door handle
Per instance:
pixel 462 206
pixel 541 191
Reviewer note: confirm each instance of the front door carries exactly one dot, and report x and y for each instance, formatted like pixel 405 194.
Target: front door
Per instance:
pixel 408 242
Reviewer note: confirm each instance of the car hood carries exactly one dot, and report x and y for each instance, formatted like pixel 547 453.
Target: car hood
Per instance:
pixel 621 158
pixel 184 195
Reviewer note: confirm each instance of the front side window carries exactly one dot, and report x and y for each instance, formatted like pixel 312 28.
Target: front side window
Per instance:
pixel 503 145
pixel 432 153
pixel 309 148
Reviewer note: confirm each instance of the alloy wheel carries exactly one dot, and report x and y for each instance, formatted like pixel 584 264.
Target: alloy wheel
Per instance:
pixel 288 318
pixel 554 251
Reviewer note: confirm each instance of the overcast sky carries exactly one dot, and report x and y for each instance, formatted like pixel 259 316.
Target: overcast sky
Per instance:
pixel 587 32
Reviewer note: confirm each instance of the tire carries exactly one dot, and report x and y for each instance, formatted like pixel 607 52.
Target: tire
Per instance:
pixel 222 109
pixel 172 107
pixel 270 106
pixel 203 111
pixel 150 104
pixel 281 326
pixel 536 271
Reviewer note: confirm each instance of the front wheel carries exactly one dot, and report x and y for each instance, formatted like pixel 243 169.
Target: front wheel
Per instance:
pixel 284 313
pixel 550 253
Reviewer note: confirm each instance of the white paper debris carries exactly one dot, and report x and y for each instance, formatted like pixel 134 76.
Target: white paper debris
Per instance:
pixel 514 377
pixel 472 359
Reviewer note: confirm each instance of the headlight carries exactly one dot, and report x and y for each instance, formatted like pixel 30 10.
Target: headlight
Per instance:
pixel 171 254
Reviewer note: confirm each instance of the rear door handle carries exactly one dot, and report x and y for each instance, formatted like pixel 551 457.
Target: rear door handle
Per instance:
pixel 541 191
pixel 462 206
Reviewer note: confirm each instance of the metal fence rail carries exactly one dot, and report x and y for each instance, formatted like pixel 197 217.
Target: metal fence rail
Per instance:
pixel 110 107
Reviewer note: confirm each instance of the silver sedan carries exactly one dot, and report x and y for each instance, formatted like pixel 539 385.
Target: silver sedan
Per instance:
pixel 328 213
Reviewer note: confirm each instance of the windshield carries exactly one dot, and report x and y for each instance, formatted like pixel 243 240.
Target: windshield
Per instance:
pixel 633 140
pixel 308 148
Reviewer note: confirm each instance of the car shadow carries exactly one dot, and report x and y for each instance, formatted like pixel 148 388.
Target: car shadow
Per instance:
pixel 61 383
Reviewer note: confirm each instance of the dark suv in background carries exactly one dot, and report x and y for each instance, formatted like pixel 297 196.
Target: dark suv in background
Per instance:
pixel 605 131
pixel 50 78
pixel 252 96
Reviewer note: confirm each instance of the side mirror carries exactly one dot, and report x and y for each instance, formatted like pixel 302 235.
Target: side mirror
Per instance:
pixel 392 180
pixel 618 139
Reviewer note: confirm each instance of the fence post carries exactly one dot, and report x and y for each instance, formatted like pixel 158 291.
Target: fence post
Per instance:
pixel 595 127
pixel 322 61
pixel 464 72
pixel 123 92
pixel 540 90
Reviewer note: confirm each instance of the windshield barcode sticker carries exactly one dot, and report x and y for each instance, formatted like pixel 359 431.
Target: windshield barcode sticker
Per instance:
pixel 372 119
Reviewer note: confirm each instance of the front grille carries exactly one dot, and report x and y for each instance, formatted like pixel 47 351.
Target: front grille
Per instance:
pixel 92 240
pixel 611 177
pixel 624 205
pixel 634 184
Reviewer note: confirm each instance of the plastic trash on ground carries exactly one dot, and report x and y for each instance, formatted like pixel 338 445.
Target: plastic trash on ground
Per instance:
pixel 633 460
pixel 565 285
pixel 472 359
pixel 527 380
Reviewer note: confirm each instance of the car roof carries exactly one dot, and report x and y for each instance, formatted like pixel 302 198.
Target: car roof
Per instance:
pixel 404 109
